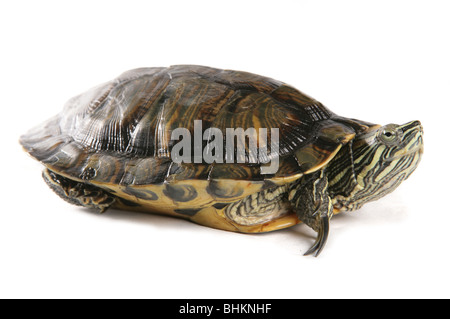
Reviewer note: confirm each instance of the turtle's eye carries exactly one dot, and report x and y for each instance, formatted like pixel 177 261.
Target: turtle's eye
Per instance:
pixel 389 134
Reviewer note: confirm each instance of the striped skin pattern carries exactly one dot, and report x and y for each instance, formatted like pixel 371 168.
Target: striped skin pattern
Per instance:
pixel 111 147
pixel 374 165
pixel 78 194
pixel 259 208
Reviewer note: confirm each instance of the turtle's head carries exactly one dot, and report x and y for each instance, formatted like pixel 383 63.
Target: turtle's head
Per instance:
pixel 380 160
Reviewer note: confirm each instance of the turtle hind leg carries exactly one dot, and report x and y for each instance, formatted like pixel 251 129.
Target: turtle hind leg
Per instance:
pixel 77 193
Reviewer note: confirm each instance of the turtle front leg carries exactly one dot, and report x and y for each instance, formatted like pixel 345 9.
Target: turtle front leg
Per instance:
pixel 77 193
pixel 313 207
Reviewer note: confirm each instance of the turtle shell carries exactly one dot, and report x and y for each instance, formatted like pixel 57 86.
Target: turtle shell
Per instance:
pixel 118 135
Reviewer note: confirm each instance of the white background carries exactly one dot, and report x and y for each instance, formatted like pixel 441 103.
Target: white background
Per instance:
pixel 379 61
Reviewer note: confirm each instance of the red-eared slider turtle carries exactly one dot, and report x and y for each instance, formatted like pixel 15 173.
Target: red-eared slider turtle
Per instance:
pixel 112 147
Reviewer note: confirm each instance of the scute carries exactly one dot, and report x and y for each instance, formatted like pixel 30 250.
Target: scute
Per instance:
pixel 119 133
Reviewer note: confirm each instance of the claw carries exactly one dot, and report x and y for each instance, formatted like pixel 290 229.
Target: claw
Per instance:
pixel 322 237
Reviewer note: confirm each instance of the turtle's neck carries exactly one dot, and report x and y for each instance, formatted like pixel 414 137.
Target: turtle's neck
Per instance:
pixel 341 178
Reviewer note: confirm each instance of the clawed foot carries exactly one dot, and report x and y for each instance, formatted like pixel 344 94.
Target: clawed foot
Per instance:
pixel 78 193
pixel 322 237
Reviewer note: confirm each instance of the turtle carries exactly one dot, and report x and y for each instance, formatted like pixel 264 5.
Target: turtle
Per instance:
pixel 113 147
